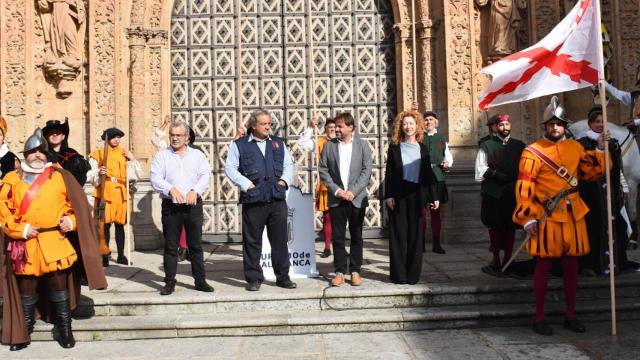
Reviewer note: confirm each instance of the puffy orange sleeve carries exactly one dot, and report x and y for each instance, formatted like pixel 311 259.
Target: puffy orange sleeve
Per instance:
pixel 11 226
pixel 592 165
pixel 526 208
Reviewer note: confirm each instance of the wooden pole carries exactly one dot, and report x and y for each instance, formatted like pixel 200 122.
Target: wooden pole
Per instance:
pixel 239 63
pixel 128 217
pixel 312 71
pixel 312 74
pixel 413 55
pixel 612 266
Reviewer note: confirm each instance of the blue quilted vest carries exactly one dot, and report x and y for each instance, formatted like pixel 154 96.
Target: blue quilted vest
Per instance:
pixel 263 171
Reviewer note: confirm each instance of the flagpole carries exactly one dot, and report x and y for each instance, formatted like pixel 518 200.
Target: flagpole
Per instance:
pixel 239 63
pixel 312 74
pixel 603 101
pixel 414 55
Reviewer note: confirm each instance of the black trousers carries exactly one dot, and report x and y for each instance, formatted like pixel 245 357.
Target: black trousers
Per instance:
pixel 406 238
pixel 339 217
pixel 119 236
pixel 255 217
pixel 174 217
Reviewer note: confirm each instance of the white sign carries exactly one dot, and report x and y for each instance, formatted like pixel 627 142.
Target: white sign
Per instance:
pixel 301 238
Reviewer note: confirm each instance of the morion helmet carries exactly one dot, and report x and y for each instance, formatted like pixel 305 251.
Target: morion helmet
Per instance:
pixel 555 111
pixel 36 142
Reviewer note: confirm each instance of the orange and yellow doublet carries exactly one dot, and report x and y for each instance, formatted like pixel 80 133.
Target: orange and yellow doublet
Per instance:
pixel 564 232
pixel 115 185
pixel 50 251
pixel 322 195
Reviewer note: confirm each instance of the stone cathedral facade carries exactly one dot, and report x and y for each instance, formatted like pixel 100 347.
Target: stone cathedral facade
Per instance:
pixel 128 63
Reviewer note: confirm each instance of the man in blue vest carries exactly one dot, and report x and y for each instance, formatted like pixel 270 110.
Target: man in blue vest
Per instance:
pixel 261 166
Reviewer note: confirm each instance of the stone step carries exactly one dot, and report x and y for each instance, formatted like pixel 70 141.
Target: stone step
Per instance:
pixel 347 297
pixel 171 325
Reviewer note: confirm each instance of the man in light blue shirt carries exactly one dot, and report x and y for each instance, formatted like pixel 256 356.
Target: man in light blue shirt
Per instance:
pixel 181 175
pixel 261 166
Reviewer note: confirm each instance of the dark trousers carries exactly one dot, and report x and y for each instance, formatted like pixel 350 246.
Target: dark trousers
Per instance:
pixel 405 238
pixel 174 217
pixel 339 217
pixel 255 217
pixel 119 236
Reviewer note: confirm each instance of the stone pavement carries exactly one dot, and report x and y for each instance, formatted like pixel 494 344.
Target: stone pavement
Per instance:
pixel 476 344
pixel 459 267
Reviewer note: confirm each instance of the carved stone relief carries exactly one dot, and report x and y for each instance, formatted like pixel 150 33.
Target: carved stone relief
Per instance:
pixel 13 79
pixel 63 30
pixel 502 27
pixel 103 71
pixel 461 110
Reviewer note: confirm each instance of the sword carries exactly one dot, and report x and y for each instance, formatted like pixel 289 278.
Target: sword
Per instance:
pixel 550 205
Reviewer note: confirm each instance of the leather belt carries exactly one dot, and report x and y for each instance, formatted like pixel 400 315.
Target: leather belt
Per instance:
pixel 117 180
pixel 560 170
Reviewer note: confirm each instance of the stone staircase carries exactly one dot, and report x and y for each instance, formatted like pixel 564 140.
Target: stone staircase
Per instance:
pixel 315 308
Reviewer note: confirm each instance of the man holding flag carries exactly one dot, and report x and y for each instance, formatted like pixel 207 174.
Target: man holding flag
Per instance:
pixel 570 57
pixel 547 183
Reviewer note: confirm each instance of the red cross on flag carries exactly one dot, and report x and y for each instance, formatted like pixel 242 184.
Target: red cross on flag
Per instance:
pixel 568 58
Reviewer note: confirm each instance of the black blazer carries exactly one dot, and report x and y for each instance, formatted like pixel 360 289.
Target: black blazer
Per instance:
pixel 393 187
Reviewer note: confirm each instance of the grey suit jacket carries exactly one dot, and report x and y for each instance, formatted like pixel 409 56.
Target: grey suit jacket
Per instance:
pixel 359 171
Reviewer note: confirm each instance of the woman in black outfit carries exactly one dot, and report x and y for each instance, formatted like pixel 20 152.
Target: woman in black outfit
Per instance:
pixel 409 186
pixel 8 160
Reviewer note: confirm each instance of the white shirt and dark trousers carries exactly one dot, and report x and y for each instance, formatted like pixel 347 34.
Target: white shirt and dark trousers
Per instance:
pixel 346 166
pixel 187 172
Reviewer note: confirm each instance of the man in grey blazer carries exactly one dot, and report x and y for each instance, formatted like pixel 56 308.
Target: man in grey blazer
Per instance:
pixel 345 168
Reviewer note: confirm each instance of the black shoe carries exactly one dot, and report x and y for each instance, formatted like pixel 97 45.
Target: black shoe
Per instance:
pixel 182 254
pixel 105 260
pixel 201 285
pixel 253 286
pixel 122 260
pixel 542 328
pixel 16 347
pixel 62 321
pixel 574 325
pixel 169 288
pixel 326 253
pixel 436 248
pixel 286 284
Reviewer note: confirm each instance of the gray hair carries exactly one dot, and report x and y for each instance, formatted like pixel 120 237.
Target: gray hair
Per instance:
pixel 179 123
pixel 253 120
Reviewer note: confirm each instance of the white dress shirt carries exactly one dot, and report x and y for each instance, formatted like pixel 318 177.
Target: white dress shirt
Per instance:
pixel 344 153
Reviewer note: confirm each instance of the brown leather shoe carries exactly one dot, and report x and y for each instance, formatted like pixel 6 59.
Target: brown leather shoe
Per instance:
pixel 356 279
pixel 337 280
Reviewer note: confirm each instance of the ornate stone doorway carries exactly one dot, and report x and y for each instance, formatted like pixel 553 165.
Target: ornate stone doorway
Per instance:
pixel 354 66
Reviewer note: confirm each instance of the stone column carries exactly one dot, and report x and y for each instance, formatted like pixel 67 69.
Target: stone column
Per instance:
pixel 426 31
pixel 404 71
pixel 137 133
pixel 153 98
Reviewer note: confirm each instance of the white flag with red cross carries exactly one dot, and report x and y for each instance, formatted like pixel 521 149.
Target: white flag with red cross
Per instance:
pixel 568 58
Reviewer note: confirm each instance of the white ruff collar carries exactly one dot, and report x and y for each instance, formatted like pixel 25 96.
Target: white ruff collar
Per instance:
pixel 4 149
pixel 593 135
pixel 28 169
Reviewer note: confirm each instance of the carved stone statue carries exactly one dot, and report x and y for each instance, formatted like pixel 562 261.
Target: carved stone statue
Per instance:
pixel 62 21
pixel 504 21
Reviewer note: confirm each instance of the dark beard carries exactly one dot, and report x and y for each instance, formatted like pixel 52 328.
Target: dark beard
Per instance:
pixel 504 134
pixel 553 138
